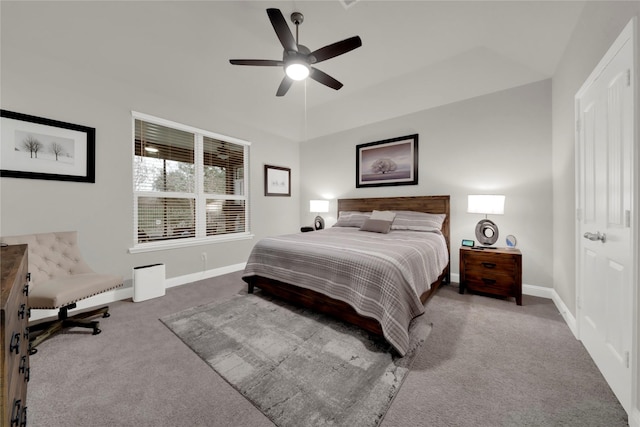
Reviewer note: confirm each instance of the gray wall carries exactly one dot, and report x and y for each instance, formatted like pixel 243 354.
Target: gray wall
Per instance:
pixel 598 27
pixel 498 143
pixel 44 85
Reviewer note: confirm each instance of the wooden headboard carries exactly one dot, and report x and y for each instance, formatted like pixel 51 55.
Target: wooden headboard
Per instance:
pixel 429 204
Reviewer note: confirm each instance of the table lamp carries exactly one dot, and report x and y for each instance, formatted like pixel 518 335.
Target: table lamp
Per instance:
pixel 317 207
pixel 486 230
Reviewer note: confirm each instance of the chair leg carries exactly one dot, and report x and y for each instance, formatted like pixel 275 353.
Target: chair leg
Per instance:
pixel 48 329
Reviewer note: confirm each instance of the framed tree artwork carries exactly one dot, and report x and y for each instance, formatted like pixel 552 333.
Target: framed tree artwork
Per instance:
pixel 277 181
pixel 38 148
pixel 389 162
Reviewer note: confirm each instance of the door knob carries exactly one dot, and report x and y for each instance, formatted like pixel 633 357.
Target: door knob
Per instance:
pixel 596 236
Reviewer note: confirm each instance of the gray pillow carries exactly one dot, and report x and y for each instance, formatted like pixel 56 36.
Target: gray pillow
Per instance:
pixel 376 226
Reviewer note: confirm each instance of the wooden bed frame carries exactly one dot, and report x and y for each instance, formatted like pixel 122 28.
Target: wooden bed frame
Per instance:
pixel 341 310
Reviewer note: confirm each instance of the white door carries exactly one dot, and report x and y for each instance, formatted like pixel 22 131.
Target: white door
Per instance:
pixel 605 153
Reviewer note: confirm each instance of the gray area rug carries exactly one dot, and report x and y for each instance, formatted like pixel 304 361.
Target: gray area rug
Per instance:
pixel 298 367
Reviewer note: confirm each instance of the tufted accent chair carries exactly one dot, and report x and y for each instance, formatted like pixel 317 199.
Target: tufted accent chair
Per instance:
pixel 60 278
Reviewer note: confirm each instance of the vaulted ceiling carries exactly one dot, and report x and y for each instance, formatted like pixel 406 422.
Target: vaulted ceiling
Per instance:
pixel 415 54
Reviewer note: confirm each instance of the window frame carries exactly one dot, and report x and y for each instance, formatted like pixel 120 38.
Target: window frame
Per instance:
pixel 199 195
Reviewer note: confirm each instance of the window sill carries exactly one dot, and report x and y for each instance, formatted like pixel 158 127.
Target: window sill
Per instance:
pixel 184 243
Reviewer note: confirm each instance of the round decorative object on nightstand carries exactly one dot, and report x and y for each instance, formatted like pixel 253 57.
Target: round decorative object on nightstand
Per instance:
pixel 511 241
pixel 487 232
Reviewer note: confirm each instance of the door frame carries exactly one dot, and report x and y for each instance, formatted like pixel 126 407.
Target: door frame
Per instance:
pixel 629 33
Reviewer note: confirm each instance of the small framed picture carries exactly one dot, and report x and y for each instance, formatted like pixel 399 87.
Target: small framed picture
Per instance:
pixel 38 148
pixel 389 162
pixel 277 181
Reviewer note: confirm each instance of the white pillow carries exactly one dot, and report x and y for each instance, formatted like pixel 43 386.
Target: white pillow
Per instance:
pixel 351 219
pixel 418 221
pixel 383 215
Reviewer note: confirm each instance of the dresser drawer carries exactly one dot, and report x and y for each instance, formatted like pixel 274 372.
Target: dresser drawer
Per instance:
pixel 14 342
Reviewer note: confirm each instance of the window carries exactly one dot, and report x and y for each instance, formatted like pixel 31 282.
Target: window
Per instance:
pixel 189 185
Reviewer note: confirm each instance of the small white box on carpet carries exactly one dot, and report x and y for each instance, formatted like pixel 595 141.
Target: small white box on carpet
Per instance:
pixel 148 282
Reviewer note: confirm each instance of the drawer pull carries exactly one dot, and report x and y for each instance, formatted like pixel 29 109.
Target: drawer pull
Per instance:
pixel 488 281
pixel 15 412
pixel 15 343
pixel 23 417
pixel 24 369
pixel 489 265
pixel 22 310
pixel 25 289
pixel 23 364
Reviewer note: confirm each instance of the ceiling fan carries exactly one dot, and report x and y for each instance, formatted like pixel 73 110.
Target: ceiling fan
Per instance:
pixel 297 59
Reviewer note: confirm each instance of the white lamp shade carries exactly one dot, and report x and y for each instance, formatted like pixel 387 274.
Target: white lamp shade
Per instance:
pixel 318 206
pixel 485 204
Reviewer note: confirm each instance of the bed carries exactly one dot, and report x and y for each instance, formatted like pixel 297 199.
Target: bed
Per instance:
pixel 376 281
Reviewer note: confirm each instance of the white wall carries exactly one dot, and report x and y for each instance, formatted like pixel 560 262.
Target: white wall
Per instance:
pixel 45 85
pixel 598 27
pixel 497 143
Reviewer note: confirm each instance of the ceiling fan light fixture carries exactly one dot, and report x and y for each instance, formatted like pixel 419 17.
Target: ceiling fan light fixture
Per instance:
pixel 297 70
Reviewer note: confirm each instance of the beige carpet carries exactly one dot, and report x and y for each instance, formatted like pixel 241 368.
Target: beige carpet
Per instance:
pixel 487 362
pixel 298 367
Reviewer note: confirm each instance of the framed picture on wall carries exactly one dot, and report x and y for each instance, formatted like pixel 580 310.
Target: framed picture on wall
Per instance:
pixel 277 181
pixel 38 148
pixel 389 162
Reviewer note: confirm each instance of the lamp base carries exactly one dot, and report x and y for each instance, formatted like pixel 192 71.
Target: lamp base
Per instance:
pixel 318 223
pixel 486 232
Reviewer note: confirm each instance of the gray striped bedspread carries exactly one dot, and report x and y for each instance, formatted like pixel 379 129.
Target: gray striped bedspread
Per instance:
pixel 380 275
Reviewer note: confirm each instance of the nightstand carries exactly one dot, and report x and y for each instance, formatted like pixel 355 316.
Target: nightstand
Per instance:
pixel 492 271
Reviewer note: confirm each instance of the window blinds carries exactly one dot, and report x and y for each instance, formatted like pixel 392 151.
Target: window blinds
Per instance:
pixel 187 184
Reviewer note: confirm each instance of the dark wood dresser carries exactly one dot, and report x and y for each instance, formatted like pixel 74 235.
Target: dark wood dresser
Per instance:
pixel 492 271
pixel 14 352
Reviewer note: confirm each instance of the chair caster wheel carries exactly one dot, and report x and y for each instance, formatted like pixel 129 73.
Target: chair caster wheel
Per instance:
pixel 107 314
pixel 32 351
pixel 96 331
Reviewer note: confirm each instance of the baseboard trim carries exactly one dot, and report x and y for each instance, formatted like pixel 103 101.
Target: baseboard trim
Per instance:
pixel 569 319
pixel 634 418
pixel 194 277
pixel 126 292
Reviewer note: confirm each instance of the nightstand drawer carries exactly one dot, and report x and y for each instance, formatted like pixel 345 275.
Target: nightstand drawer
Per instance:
pixel 485 263
pixel 499 284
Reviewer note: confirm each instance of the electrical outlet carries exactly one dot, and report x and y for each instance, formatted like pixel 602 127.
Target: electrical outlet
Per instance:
pixel 203 256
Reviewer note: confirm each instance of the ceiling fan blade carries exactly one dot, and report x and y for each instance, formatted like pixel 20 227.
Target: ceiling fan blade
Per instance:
pixel 257 62
pixel 335 49
pixel 285 84
pixel 324 78
pixel 282 30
